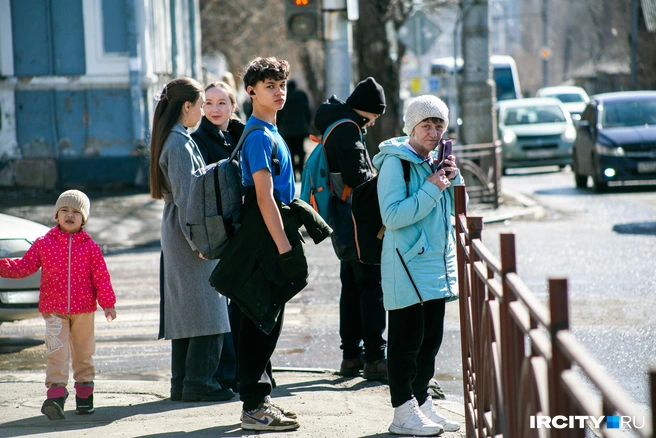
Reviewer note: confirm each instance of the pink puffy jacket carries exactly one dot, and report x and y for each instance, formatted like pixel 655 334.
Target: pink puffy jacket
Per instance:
pixel 73 276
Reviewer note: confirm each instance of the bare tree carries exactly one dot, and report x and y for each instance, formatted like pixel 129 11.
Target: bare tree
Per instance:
pixel 243 30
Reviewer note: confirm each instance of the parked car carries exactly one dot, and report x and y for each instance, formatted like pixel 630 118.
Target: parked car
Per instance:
pixel 616 139
pixel 19 298
pixel 574 98
pixel 534 132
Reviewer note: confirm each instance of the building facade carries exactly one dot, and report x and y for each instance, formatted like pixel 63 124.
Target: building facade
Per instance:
pixel 77 86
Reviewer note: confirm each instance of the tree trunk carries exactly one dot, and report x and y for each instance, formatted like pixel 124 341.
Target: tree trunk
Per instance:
pixel 372 50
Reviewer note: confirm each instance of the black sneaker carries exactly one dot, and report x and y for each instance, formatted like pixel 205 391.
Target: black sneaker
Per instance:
pixel 84 406
pixel 53 408
pixel 221 394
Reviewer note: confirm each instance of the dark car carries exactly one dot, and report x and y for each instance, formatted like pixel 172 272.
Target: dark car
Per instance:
pixel 616 139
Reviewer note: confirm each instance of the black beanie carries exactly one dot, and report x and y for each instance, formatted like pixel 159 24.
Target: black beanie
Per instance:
pixel 368 96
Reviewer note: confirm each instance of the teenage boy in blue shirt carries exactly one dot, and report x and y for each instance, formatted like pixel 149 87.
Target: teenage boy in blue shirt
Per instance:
pixel 265 81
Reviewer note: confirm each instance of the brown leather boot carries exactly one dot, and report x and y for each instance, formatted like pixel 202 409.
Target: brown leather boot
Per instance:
pixel 375 370
pixel 351 367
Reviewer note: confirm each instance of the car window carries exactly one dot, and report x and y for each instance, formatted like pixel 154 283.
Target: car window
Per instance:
pixel 569 97
pixel 13 248
pixel 627 114
pixel 534 114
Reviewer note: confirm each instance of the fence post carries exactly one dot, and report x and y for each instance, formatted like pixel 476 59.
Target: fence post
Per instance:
pixel 510 345
pixel 559 403
pixel 463 291
pixel 652 385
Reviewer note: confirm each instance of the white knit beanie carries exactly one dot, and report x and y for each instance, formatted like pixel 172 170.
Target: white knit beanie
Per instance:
pixel 75 199
pixel 424 107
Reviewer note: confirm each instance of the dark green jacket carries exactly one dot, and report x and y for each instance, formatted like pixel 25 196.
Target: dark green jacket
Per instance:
pixel 253 274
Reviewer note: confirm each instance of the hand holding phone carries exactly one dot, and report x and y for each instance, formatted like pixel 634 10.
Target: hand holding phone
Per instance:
pixel 446 148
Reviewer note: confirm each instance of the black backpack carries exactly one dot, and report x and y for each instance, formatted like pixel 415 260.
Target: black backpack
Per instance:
pixel 367 222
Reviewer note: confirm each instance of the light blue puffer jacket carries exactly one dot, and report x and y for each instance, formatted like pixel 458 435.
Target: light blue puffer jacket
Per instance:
pixel 418 226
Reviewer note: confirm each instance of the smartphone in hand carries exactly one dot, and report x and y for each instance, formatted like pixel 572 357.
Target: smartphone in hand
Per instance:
pixel 446 148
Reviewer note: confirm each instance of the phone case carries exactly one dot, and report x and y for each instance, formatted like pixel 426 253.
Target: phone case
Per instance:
pixel 445 150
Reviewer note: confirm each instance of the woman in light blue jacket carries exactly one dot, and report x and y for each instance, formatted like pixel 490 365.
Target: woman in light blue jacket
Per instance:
pixel 418 261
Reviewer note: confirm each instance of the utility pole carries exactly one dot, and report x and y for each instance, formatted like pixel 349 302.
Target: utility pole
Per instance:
pixel 477 88
pixel 338 46
pixel 545 44
pixel 633 38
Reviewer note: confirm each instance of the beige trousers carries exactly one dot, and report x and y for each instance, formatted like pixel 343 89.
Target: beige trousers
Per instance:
pixel 69 339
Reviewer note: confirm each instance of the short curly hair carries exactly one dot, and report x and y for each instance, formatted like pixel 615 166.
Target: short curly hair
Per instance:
pixel 261 69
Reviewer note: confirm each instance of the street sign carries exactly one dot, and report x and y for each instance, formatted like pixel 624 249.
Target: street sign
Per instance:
pixel 418 33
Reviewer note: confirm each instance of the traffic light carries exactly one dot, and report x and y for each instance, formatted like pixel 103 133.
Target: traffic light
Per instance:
pixel 302 19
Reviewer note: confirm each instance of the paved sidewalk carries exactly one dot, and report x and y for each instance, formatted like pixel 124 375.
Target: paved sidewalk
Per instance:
pixel 327 404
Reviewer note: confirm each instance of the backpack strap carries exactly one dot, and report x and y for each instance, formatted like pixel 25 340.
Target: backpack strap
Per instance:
pixel 329 130
pixel 406 175
pixel 274 147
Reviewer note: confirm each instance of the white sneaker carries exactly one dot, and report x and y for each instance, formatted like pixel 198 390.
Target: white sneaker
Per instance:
pixel 409 420
pixel 431 413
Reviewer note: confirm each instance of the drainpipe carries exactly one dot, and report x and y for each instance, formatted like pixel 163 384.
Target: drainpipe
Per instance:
pixel 135 72
pixel 193 13
pixel 174 40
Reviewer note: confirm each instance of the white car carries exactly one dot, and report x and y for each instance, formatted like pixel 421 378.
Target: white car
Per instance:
pixel 19 298
pixel 574 98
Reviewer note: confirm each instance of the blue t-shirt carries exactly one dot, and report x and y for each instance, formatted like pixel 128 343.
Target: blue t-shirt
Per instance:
pixel 256 155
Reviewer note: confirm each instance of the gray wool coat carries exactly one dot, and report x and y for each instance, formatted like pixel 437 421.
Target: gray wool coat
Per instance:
pixel 192 307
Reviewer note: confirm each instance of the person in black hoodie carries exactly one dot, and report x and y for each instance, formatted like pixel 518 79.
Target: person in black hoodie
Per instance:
pixel 220 129
pixel 362 315
pixel 294 121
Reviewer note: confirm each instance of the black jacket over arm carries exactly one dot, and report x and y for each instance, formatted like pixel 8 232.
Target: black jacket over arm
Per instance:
pixel 252 272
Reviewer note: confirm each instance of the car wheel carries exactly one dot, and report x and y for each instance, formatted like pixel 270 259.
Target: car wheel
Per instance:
pixel 599 185
pixel 581 180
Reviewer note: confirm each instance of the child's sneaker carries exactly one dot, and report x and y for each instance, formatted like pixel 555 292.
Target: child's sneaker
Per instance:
pixel 84 406
pixel 266 417
pixel 53 407
pixel 84 398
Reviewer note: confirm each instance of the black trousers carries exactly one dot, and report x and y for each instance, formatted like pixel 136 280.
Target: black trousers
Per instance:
pixel 415 335
pixel 194 362
pixel 254 351
pixel 362 316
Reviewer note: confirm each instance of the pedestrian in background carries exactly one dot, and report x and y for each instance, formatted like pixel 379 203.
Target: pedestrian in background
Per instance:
pixel 220 128
pixel 218 133
pixel 361 312
pixel 418 261
pixel 194 316
pixel 74 277
pixel 293 122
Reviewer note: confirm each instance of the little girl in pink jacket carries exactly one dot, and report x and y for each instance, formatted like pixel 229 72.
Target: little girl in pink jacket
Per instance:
pixel 74 278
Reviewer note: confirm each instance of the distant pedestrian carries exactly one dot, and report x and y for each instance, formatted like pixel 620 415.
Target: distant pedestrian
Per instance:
pixel 418 261
pixel 194 316
pixel 74 278
pixel 294 121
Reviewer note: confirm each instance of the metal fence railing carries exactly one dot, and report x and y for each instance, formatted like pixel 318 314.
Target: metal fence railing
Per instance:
pixel 479 164
pixel 523 369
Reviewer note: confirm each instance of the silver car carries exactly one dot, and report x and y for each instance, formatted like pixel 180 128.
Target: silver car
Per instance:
pixel 19 298
pixel 535 132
